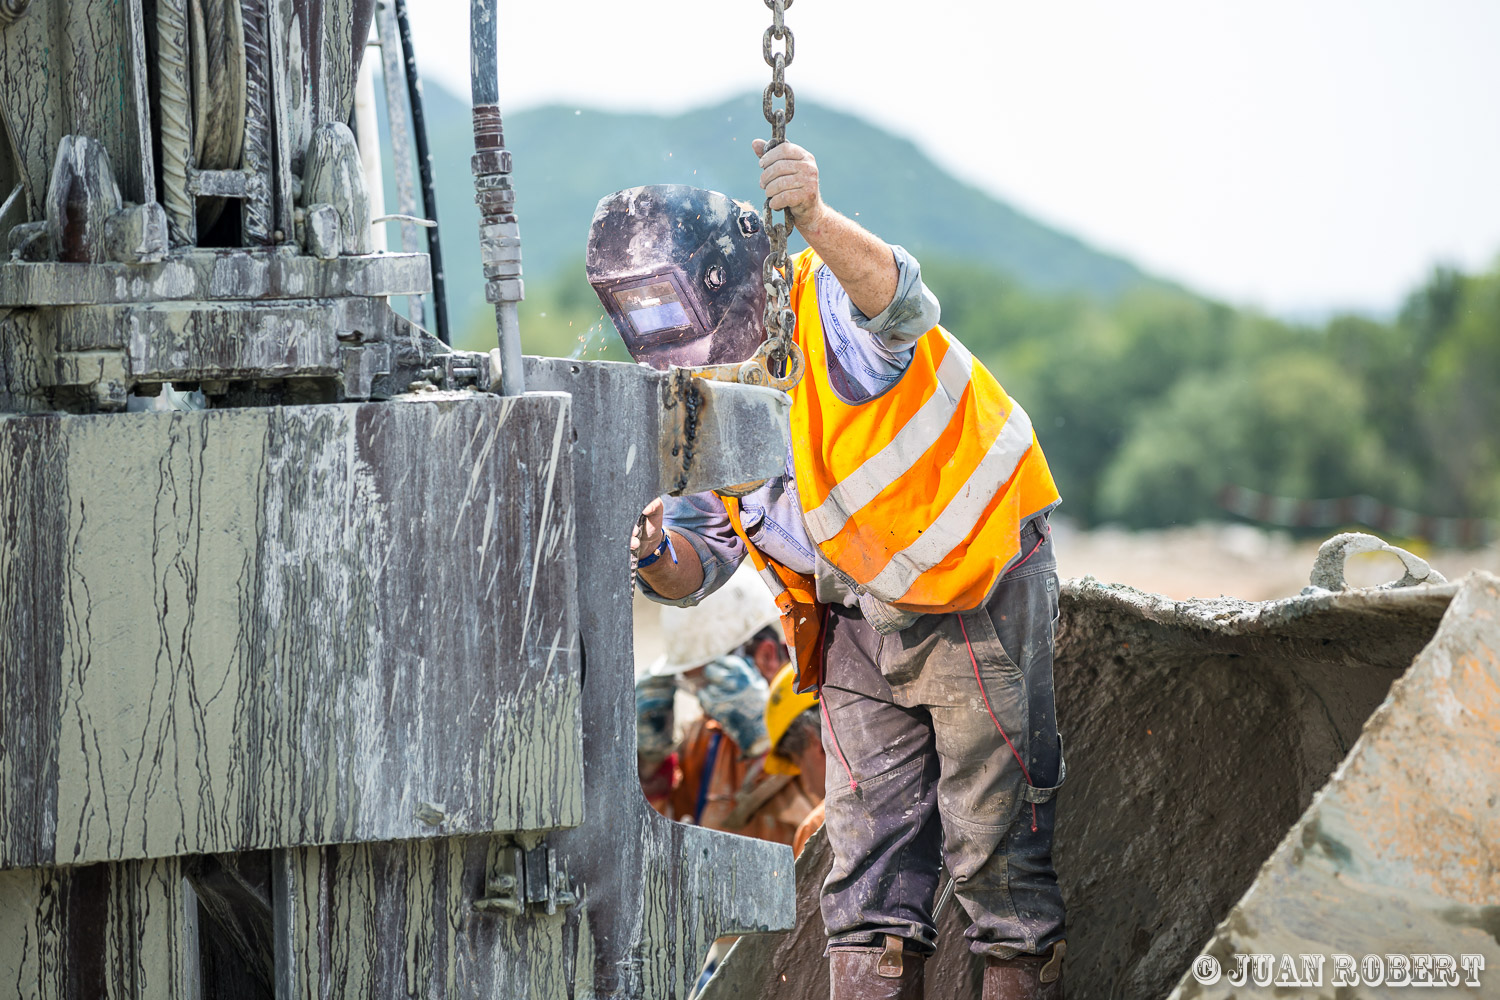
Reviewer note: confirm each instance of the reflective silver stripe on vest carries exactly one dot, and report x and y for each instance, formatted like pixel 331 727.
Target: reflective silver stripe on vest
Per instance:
pixel 958 519
pixel 890 463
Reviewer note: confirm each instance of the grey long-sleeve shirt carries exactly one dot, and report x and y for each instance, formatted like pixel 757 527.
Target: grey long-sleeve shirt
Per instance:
pixel 867 355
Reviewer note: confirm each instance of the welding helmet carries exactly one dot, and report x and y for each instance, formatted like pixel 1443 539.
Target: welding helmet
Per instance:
pixel 678 269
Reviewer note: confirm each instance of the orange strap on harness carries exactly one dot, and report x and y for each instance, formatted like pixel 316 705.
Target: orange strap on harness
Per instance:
pixel 796 597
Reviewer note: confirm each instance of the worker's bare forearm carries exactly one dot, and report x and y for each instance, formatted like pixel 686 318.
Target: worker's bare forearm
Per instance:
pixel 863 263
pixel 675 580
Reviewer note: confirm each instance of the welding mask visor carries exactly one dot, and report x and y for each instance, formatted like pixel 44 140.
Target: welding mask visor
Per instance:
pixel 678 270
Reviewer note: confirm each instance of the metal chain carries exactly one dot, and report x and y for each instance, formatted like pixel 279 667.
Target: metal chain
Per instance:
pixel 781 321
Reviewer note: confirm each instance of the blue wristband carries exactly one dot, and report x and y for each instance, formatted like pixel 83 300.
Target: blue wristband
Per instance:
pixel 665 545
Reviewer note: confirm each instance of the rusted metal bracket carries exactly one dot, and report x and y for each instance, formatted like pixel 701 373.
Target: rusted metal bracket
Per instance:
pixel 682 399
pixel 523 878
pixel 685 392
pixel 757 370
pixel 705 420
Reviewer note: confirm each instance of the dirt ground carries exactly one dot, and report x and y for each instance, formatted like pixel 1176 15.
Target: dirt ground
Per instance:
pixel 1233 560
pixel 1208 560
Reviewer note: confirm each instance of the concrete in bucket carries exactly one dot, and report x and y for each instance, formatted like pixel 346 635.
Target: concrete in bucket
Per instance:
pixel 1199 734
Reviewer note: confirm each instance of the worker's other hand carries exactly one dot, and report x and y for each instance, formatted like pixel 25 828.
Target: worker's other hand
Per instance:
pixel 646 535
pixel 789 177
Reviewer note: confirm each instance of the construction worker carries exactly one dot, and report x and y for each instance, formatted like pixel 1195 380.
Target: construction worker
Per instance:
pixel 715 776
pixel 795 735
pixel 908 549
pixel 767 652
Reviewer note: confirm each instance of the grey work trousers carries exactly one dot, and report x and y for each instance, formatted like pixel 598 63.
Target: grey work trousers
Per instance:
pixel 919 773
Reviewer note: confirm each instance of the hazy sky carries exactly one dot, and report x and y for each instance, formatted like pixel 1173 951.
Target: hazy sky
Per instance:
pixel 1295 154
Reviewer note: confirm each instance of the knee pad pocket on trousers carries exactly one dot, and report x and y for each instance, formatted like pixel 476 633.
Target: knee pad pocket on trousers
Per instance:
pixel 879 785
pixel 982 828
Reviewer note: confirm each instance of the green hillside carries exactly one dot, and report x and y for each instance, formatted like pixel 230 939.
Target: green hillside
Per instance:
pixel 566 159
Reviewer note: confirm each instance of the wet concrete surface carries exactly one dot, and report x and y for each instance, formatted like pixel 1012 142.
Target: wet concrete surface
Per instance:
pixel 1197 732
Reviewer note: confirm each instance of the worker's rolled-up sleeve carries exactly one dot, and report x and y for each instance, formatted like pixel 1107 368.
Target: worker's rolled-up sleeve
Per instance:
pixel 702 520
pixel 913 311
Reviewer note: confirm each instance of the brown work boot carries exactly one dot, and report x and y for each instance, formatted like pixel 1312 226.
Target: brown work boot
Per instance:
pixel 892 974
pixel 1026 977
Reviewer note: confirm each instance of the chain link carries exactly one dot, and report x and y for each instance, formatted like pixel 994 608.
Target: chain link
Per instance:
pixel 780 320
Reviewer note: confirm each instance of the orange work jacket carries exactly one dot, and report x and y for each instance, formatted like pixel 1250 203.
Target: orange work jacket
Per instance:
pixel 916 496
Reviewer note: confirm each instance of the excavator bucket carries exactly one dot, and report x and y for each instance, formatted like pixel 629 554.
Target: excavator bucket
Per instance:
pixel 1313 775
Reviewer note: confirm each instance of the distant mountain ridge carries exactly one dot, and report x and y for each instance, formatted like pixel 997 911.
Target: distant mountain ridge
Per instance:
pixel 567 158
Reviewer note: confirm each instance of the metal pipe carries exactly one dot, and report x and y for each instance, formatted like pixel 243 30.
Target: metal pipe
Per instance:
pixel 484 59
pixel 499 233
pixel 508 326
pixel 424 169
pixel 256 212
pixel 175 104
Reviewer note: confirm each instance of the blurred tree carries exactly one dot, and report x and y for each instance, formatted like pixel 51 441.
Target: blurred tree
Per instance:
pixel 1289 425
pixel 1458 400
pixel 1384 358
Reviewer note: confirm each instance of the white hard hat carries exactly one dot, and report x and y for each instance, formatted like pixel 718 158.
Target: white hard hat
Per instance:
pixel 719 624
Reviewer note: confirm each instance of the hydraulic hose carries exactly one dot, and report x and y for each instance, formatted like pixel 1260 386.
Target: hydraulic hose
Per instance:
pixel 424 170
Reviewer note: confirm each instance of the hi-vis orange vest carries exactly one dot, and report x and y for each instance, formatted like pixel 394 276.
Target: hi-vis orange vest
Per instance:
pixel 916 496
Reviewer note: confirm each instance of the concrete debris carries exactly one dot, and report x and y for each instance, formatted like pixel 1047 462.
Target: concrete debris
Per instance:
pixel 1399 854
pixel 1199 734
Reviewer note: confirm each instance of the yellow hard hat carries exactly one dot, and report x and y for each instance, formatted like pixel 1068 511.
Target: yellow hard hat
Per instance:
pixel 784 705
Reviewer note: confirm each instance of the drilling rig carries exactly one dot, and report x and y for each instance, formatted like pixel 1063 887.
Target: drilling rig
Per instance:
pixel 316 669
pixel 315 637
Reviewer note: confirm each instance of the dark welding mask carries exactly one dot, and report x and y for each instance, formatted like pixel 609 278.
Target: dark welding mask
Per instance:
pixel 678 269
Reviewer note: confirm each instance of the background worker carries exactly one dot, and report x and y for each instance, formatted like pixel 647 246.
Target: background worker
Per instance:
pixel 908 548
pixel 696 777
pixel 766 650
pixel 714 776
